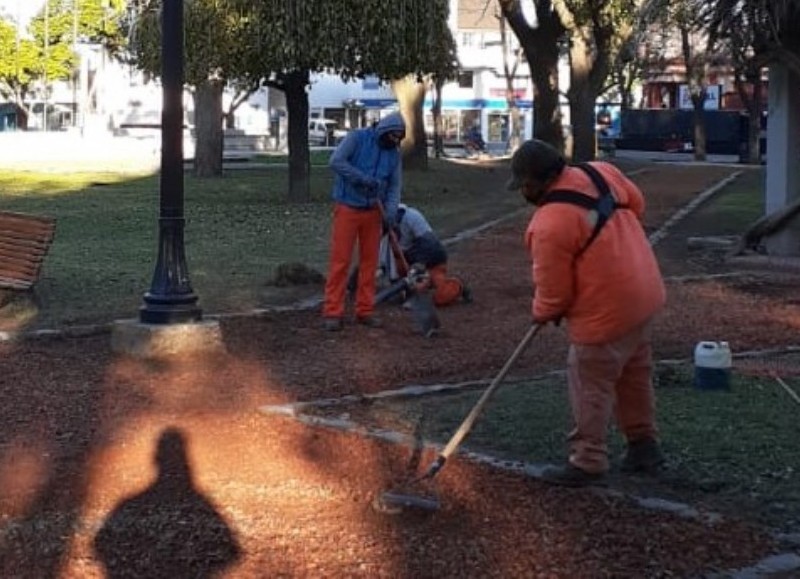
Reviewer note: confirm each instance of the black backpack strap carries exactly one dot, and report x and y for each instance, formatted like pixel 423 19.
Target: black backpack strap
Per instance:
pixel 606 203
pixel 603 206
pixel 571 197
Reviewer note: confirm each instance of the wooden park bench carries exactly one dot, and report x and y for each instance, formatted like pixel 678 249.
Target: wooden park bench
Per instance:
pixel 24 242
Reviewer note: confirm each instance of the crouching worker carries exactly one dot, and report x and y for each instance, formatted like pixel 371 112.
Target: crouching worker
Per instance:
pixel 420 244
pixel 593 266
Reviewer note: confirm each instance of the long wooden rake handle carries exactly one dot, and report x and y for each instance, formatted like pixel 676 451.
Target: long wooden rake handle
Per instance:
pixel 469 421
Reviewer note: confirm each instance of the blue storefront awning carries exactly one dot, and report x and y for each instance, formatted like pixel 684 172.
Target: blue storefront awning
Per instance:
pixel 498 104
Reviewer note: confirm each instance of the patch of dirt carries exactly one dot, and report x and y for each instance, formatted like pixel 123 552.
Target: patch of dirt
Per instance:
pixel 88 483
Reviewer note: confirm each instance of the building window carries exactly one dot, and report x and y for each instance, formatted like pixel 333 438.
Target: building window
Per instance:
pixel 465 79
pixel 498 127
pixel 467 39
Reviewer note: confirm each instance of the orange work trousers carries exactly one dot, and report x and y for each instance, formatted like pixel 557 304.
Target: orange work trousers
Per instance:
pixel 606 379
pixel 351 226
pixel 447 289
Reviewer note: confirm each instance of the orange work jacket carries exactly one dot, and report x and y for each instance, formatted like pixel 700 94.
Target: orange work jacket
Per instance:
pixel 615 284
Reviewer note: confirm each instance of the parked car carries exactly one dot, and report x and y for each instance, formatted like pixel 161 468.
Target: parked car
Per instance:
pixel 324 132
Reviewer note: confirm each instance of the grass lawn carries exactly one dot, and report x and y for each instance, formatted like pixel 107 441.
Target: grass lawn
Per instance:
pixel 238 229
pixel 735 443
pixel 739 207
pixel 317 157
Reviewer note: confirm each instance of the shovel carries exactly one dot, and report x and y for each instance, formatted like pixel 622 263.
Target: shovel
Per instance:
pixel 416 281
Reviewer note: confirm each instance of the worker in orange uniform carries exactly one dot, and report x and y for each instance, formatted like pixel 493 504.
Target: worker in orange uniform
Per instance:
pixel 420 244
pixel 593 267
pixel 366 192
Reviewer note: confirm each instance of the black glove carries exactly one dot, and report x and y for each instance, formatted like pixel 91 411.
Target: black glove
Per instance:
pixel 371 187
pixel 387 225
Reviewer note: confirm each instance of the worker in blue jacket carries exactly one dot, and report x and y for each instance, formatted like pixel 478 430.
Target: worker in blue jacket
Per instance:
pixel 366 192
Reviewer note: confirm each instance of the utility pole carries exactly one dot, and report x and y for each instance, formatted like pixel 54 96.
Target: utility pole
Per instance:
pixel 46 58
pixel 16 47
pixel 76 108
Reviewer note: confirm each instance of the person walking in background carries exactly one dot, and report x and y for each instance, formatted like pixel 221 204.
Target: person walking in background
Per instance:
pixel 419 244
pixel 366 193
pixel 593 267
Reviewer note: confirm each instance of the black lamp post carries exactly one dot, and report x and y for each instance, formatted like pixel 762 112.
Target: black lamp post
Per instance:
pixel 171 298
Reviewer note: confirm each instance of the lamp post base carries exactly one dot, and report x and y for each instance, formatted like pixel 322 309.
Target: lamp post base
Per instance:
pixel 171 311
pixel 153 341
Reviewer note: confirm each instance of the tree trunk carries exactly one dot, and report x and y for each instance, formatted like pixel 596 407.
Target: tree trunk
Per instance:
pixel 438 125
pixel 754 132
pixel 515 139
pixel 582 99
pixel 510 71
pixel 541 49
pixel 767 225
pixel 295 84
pixel 750 76
pixel 581 110
pixel 208 128
pixel 700 148
pixel 629 77
pixel 410 97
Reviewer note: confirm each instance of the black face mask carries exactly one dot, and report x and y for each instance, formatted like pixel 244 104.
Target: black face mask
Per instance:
pixel 386 141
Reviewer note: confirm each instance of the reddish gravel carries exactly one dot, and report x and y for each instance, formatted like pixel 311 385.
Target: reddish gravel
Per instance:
pixel 262 496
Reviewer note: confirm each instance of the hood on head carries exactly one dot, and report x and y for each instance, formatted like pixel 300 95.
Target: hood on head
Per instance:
pixel 392 122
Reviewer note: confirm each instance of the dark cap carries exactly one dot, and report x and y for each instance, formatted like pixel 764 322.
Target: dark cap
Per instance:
pixel 537 159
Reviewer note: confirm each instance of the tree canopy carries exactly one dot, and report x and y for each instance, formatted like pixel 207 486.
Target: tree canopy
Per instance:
pixel 45 51
pixel 768 28
pixel 279 43
pixel 351 38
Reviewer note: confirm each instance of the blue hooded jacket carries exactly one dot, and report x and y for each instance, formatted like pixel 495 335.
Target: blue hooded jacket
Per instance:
pixel 359 161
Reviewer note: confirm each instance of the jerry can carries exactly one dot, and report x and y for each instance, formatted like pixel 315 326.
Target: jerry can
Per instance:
pixel 712 366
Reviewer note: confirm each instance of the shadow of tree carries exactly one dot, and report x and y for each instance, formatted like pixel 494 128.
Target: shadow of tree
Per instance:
pixel 170 529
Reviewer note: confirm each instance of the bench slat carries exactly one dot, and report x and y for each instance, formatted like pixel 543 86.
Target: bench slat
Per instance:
pixel 24 242
pixel 33 251
pixel 26 217
pixel 15 284
pixel 12 234
pixel 20 275
pixel 34 229
pixel 21 265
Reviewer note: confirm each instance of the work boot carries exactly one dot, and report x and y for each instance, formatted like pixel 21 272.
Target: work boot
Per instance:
pixel 466 294
pixel 332 324
pixel 570 475
pixel 642 456
pixel 370 321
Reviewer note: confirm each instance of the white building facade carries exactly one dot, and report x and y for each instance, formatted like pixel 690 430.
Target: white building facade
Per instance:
pixel 107 95
pixel 477 98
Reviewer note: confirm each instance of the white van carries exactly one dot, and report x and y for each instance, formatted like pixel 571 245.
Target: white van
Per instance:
pixel 324 132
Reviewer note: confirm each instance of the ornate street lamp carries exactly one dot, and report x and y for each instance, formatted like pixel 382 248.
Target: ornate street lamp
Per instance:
pixel 171 298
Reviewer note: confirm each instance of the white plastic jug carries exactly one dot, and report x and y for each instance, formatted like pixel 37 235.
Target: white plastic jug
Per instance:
pixel 712 366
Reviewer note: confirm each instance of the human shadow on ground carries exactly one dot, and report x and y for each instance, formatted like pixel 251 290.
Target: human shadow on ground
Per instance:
pixel 170 529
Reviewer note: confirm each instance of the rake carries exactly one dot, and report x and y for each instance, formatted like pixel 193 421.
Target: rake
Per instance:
pixel 397 500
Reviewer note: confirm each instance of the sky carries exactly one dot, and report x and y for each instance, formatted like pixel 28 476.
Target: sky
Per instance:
pixel 25 8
